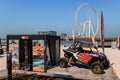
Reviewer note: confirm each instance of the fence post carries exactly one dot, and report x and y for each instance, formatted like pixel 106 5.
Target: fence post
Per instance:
pixel 9 66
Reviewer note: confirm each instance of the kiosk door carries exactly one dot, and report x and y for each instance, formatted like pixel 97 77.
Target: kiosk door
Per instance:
pixel 25 54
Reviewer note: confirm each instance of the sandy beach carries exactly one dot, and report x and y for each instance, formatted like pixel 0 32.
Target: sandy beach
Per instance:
pixel 2 61
pixel 113 71
pixel 113 55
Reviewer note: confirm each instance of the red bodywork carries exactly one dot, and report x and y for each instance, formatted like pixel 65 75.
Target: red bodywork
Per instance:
pixel 85 57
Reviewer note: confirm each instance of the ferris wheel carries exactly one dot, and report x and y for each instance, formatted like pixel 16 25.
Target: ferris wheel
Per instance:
pixel 85 28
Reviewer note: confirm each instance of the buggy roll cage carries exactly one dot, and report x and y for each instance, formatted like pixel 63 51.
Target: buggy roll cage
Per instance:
pixel 73 46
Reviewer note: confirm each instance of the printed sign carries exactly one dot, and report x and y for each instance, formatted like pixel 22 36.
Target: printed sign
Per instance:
pixel 38 55
pixel 14 50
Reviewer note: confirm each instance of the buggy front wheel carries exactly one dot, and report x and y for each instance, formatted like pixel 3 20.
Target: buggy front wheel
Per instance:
pixel 97 68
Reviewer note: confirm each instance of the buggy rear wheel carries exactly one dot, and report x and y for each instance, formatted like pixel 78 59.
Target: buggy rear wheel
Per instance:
pixel 63 63
pixel 97 68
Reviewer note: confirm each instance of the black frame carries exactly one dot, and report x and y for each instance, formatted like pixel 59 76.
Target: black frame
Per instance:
pixel 49 41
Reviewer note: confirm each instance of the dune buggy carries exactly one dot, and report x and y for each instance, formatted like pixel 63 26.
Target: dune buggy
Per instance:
pixel 86 53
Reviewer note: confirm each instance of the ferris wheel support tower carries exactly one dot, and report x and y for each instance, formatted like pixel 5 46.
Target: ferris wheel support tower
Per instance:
pixel 88 29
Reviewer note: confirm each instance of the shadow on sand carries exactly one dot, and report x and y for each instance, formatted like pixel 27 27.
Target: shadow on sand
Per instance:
pixel 66 77
pixel 86 67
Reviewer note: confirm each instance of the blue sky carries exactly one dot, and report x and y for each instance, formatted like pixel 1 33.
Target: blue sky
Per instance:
pixel 29 16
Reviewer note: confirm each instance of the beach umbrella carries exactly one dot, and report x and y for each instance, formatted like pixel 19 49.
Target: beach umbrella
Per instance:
pixel 102 31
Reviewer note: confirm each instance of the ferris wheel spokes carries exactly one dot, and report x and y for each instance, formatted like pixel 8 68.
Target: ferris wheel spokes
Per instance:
pixel 87 27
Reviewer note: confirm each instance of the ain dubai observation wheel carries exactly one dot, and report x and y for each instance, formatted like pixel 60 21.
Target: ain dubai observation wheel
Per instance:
pixel 86 27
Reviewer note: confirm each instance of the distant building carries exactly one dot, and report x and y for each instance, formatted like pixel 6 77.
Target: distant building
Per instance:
pixel 52 33
pixel 47 33
pixel 42 33
pixel 63 36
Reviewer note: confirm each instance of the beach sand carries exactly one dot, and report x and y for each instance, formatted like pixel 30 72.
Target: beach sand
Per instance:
pixel 113 55
pixel 2 61
pixel 113 73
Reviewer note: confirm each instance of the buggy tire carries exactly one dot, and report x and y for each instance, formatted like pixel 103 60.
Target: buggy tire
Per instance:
pixel 63 63
pixel 96 68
